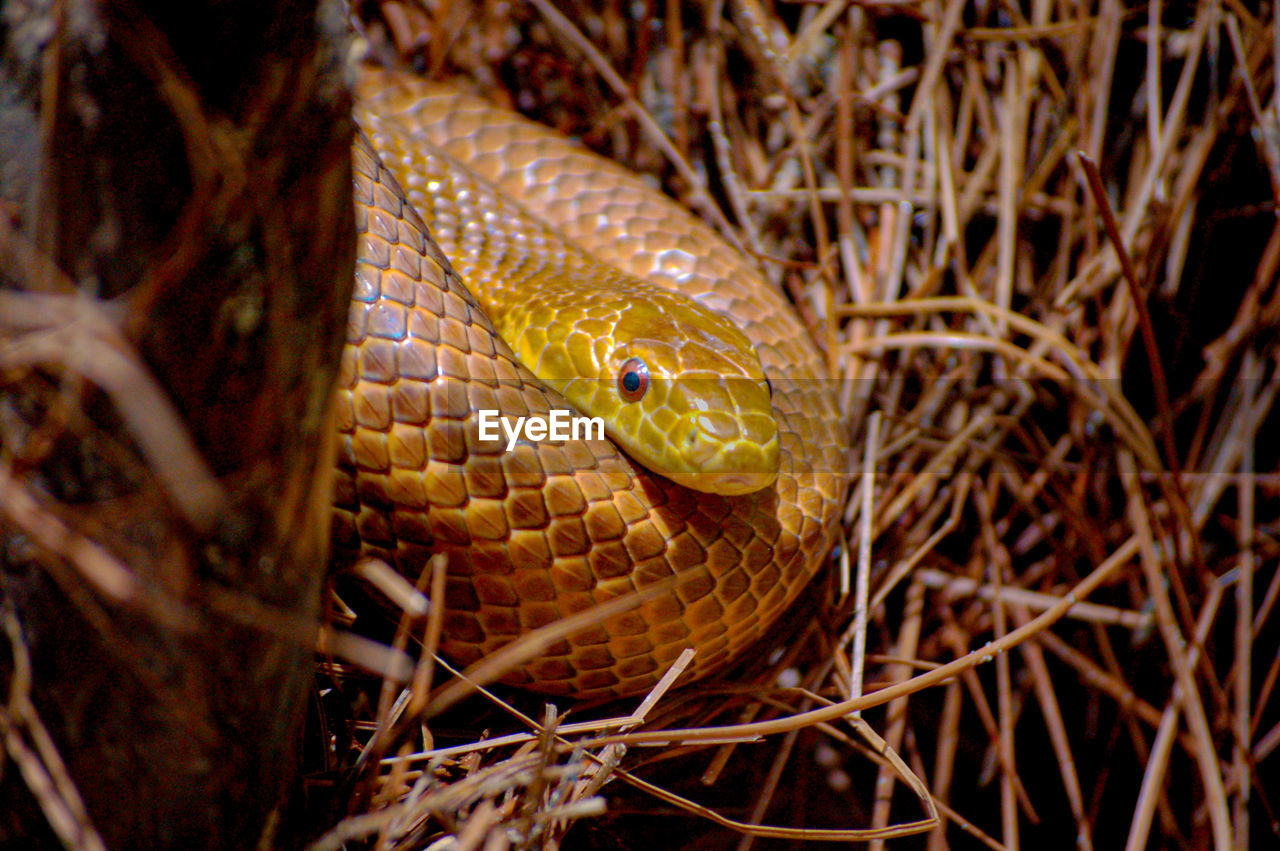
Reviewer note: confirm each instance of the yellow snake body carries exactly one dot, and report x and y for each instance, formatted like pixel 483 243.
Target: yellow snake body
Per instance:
pixel 705 420
pixel 548 529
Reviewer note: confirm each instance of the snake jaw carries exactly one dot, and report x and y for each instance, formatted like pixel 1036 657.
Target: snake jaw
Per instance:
pixel 730 435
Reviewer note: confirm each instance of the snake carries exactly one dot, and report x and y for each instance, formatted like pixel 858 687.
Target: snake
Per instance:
pixel 498 264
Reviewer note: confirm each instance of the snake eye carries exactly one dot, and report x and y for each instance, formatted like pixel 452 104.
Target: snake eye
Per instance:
pixel 633 380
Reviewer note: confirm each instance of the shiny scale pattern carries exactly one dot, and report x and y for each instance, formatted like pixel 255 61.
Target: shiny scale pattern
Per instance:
pixel 547 530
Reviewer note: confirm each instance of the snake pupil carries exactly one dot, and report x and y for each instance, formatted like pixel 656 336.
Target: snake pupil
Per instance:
pixel 633 381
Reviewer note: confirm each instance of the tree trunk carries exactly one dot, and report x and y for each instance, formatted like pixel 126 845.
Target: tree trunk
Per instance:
pixel 176 252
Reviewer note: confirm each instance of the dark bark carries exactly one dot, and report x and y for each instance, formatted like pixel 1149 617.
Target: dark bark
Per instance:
pixel 165 449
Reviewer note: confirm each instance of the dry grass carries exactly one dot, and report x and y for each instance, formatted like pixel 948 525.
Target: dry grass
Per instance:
pixel 1056 385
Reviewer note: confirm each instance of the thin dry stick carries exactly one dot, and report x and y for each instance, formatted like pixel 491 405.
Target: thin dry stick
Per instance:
pixel 30 747
pixel 1166 735
pixel 392 702
pixel 909 566
pixel 853 835
pixel 1155 58
pixel 700 196
pixel 947 742
pixel 93 563
pixel 80 335
pixel 908 645
pixel 767 789
pixel 392 584
pixel 1154 360
pixel 869 467
pixel 1243 667
pixel 1012 129
pixel 1270 143
pixel 1119 412
pixel 1107 683
pixel 535 643
pixel 1009 782
pixel 621 724
pixel 1052 713
pixel 1205 753
pixel 960 586
pixel 748 732
pixel 425 672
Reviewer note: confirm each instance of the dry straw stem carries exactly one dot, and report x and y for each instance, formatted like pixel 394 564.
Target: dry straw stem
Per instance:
pixel 80 337
pixel 32 750
pixel 1051 487
pixel 79 334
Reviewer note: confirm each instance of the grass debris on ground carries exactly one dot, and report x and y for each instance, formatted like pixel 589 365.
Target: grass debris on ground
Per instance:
pixel 1039 245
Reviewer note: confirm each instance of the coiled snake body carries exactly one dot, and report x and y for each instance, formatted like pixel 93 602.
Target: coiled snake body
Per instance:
pixel 549 529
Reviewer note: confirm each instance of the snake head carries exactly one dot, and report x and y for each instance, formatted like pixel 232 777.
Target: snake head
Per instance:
pixel 678 386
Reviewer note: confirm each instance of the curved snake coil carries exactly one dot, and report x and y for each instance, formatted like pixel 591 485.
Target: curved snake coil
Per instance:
pixel 549 529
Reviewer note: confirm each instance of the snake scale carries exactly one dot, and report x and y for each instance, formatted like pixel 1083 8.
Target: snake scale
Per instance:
pixel 552 528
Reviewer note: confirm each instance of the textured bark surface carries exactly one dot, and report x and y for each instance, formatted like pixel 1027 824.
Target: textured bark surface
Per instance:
pixel 176 250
